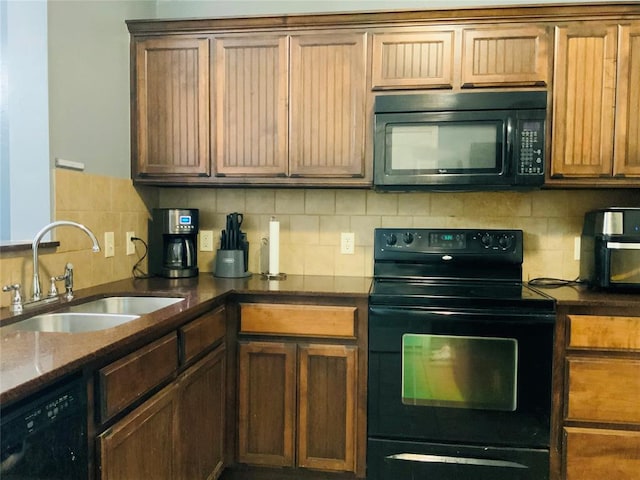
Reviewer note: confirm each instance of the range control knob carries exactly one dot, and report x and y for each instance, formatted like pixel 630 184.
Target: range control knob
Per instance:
pixel 392 239
pixel 486 239
pixel 407 238
pixel 505 241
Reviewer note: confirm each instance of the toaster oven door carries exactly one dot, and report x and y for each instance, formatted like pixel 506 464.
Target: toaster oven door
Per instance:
pixel 623 264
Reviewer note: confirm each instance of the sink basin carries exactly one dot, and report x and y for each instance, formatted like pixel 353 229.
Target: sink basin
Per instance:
pixel 125 305
pixel 70 322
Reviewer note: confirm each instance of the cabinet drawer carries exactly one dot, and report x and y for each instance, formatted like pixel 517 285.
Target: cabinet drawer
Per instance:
pixel 603 390
pixel 303 320
pixel 594 454
pixel 203 332
pixel 127 379
pixel 611 333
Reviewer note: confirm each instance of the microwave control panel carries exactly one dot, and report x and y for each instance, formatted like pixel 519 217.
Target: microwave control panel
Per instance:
pixel 531 158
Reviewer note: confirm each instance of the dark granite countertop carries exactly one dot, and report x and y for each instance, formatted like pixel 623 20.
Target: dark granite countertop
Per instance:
pixel 32 360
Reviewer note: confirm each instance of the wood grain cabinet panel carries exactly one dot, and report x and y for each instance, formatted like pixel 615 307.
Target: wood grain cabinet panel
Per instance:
pixel 202 333
pixel 606 333
pixel 514 55
pixel 142 444
pixel 171 105
pixel 327 105
pixel 412 59
pixel 326 407
pixel 252 89
pixel 595 130
pixel 266 403
pixel 594 454
pixel 627 139
pixel 145 368
pixel 303 320
pixel 201 418
pixel 603 390
pixel 601 412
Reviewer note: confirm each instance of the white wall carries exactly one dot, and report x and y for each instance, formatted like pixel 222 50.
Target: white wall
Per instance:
pixel 89 82
pixel 25 184
pixel 218 8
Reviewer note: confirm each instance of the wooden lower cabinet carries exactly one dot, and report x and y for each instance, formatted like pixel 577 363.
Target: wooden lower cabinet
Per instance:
pixel 594 454
pixel 297 405
pixel 142 444
pixel 176 434
pixel 601 413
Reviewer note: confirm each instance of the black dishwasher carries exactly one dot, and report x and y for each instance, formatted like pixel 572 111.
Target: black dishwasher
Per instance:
pixel 45 436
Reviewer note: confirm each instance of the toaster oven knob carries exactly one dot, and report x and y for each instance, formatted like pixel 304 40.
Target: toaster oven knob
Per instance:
pixel 392 239
pixel 407 238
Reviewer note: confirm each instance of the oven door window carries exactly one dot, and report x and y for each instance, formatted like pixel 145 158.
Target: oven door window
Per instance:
pixel 444 147
pixel 459 372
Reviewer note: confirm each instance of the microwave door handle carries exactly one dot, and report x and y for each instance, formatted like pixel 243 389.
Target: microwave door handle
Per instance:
pixel 510 133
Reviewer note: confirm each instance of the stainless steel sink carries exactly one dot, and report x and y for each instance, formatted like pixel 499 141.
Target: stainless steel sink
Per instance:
pixel 125 305
pixel 70 322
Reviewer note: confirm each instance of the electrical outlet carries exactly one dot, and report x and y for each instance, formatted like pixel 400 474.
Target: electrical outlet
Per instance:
pixel 576 248
pixel 206 240
pixel 131 247
pixel 109 245
pixel 347 243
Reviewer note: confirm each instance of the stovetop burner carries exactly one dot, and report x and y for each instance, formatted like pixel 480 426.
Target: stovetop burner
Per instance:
pixel 450 294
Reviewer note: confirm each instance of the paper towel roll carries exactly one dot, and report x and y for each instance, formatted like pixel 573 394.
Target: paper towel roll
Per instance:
pixel 274 247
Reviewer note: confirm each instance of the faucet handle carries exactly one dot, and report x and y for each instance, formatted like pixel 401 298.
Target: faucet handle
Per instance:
pixel 16 299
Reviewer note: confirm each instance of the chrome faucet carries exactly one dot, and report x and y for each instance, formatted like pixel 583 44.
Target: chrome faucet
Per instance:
pixel 37 293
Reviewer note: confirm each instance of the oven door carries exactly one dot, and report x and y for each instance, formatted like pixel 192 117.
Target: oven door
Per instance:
pixel 466 378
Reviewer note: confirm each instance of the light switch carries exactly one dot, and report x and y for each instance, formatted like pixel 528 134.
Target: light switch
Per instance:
pixel 109 244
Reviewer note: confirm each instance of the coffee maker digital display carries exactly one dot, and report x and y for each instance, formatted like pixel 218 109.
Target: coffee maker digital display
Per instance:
pixel 173 235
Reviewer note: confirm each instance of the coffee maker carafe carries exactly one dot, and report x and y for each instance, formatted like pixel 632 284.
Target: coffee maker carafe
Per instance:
pixel 173 234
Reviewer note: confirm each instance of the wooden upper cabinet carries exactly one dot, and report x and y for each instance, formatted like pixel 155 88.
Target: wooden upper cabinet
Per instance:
pixel 171 104
pixel 251 88
pixel 584 100
pixel 595 123
pixel 412 59
pixel 454 58
pixel 500 56
pixel 627 139
pixel 327 105
pixel 290 106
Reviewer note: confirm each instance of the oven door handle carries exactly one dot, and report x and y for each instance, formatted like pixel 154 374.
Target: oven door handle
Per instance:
pixel 415 457
pixel 623 246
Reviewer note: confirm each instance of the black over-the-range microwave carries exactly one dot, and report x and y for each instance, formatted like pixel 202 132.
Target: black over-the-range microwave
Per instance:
pixel 459 141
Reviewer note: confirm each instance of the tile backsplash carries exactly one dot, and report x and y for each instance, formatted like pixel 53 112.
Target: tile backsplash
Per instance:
pixel 103 204
pixel 311 221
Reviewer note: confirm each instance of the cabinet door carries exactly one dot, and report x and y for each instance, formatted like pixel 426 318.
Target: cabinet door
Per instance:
pixel 251 106
pixel 627 146
pixel 201 418
pixel 584 100
pixel 266 403
pixel 142 444
pixel 171 105
pixel 327 105
pixel 412 60
pixel 327 407
pixel 594 454
pixel 515 56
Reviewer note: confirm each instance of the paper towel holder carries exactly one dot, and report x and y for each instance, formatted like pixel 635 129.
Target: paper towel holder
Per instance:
pixel 264 263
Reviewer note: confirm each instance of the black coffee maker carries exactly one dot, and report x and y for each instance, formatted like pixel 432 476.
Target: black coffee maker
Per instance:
pixel 173 234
